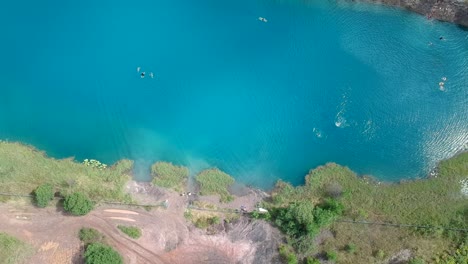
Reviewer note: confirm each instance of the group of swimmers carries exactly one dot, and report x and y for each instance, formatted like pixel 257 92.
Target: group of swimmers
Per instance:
pixel 142 74
pixel 441 84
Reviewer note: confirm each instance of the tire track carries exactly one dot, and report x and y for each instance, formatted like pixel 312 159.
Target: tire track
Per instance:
pixel 109 230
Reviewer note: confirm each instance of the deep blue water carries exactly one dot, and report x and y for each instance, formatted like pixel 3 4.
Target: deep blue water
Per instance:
pixel 351 83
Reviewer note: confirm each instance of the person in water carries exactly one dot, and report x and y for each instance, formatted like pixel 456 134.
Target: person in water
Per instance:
pixel 142 75
pixel 441 38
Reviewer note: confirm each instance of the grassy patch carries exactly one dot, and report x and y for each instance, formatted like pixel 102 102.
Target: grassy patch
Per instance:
pixel 203 219
pixel 90 235
pixel 23 169
pixel 169 176
pixel 214 181
pixel 13 250
pixel 436 202
pixel 131 231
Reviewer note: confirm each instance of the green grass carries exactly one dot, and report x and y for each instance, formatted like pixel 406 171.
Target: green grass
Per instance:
pixel 13 250
pixel 435 201
pixel 90 235
pixel 131 231
pixel 169 176
pixel 23 169
pixel 214 181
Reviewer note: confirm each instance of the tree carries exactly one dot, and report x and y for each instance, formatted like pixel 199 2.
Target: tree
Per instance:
pixel 43 195
pixel 97 253
pixel 77 204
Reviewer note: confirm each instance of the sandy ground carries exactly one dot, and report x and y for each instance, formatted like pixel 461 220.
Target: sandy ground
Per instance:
pixel 167 236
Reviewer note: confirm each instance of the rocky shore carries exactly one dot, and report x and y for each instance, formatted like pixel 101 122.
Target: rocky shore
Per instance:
pixel 454 11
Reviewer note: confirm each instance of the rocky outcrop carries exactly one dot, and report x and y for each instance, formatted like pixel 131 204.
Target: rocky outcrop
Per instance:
pixel 261 235
pixel 455 11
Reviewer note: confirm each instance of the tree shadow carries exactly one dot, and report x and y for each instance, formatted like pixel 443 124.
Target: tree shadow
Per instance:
pixel 78 257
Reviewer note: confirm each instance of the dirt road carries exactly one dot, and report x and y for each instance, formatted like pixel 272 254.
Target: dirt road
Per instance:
pixel 166 235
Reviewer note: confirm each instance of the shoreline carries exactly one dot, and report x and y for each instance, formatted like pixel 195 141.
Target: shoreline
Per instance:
pixel 432 173
pixel 452 11
pixel 176 224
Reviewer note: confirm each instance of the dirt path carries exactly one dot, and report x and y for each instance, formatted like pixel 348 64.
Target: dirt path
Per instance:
pixel 166 236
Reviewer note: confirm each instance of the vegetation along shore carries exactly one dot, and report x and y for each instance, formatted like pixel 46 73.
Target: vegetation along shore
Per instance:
pixel 64 211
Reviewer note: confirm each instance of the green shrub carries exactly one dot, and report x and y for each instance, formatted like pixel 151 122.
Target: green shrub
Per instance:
pixel 77 204
pixel 43 195
pixel 350 248
pixel 215 220
pixel 311 260
pixel 131 231
pixel 287 255
pixel 97 253
pixel 332 256
pixel 301 221
pixel 90 235
pixel 188 214
pixel 380 254
pixel 170 176
pixel 460 255
pixel 214 181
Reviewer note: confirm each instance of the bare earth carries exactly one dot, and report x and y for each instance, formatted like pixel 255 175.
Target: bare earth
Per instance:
pixel 167 236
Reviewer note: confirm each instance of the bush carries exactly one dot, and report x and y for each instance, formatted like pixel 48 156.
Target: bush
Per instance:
pixel 380 254
pixel 97 253
pixel 301 221
pixel 311 260
pixel 287 254
pixel 350 248
pixel 332 256
pixel 90 235
pixel 460 255
pixel 43 195
pixel 131 231
pixel 77 204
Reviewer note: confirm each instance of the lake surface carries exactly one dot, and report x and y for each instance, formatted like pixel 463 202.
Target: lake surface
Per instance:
pixel 352 83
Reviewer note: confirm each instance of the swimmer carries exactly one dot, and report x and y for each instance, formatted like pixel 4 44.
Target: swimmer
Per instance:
pixel 151 75
pixel 441 84
pixel 142 75
pixel 441 38
pixel 442 88
pixel 138 69
pixel 444 79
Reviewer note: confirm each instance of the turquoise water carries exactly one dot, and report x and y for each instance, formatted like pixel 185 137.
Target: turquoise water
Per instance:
pixel 352 83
